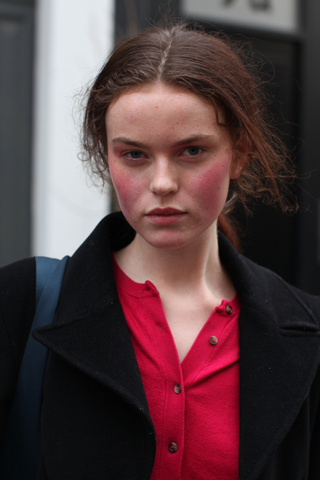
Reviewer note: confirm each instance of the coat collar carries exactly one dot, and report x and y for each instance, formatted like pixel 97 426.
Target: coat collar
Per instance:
pixel 279 339
pixel 89 329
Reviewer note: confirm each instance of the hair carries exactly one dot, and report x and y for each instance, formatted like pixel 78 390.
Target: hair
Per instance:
pixel 181 55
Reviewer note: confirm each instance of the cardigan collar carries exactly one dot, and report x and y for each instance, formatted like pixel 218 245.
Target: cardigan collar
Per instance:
pixel 279 339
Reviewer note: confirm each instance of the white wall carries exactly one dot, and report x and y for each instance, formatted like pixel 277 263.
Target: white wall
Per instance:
pixel 73 37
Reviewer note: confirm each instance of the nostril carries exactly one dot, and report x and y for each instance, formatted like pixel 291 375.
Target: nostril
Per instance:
pixel 164 187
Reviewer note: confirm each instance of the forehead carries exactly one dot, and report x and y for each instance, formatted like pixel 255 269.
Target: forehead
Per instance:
pixel 156 91
pixel 159 106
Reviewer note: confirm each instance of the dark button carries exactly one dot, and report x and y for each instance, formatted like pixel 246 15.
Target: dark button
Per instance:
pixel 173 447
pixel 213 340
pixel 229 309
pixel 177 388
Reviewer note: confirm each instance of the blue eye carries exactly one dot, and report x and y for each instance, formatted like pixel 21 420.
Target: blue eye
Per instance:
pixel 135 154
pixel 192 151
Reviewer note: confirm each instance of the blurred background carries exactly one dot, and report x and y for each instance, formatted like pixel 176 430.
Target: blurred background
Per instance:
pixel 50 49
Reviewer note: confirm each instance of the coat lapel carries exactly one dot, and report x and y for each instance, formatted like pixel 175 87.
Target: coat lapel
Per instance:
pixel 89 330
pixel 279 357
pixel 98 343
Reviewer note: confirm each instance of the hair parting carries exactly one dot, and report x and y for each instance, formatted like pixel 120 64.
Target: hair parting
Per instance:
pixel 210 66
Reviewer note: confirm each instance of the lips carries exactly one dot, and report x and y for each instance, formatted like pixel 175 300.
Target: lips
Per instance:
pixel 165 211
pixel 165 216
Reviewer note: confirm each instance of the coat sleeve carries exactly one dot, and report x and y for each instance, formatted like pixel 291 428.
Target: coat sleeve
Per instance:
pixel 314 460
pixel 313 303
pixel 17 308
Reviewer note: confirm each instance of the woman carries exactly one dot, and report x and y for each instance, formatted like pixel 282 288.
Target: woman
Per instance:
pixel 171 355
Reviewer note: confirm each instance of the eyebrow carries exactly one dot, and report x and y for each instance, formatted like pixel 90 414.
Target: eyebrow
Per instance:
pixel 183 141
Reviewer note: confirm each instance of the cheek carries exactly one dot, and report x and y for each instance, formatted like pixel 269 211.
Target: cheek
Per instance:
pixel 212 185
pixel 126 185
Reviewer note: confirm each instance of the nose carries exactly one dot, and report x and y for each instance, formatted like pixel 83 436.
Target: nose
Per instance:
pixel 164 177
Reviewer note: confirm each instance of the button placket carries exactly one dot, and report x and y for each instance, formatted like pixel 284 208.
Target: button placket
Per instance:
pixel 174 415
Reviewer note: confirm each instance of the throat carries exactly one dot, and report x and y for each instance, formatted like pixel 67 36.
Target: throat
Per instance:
pixel 176 269
pixel 187 315
pixel 191 284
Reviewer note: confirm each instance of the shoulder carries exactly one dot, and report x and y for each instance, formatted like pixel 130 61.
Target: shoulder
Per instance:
pixel 17 273
pixel 281 292
pixel 17 308
pixel 293 307
pixel 267 293
pixel 273 282
pixel 17 282
pixel 17 304
pixel 312 300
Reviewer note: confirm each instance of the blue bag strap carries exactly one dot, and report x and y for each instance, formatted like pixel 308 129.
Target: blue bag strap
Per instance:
pixel 21 452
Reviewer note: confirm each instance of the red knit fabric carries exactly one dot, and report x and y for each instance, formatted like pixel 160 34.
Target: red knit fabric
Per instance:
pixel 202 420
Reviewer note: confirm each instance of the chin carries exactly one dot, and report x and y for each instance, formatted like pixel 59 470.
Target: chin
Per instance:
pixel 167 242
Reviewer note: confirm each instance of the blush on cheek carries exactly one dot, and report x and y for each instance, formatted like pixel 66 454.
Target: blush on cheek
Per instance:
pixel 214 179
pixel 211 188
pixel 125 185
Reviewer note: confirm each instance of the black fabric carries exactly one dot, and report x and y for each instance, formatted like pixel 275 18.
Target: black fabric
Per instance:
pixel 95 418
pixel 17 308
pixel 22 440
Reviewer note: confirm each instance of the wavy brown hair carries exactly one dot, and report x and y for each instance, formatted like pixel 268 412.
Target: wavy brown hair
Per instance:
pixel 213 68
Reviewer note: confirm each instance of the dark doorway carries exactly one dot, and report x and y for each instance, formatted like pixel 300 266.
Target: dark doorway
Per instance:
pixel 270 236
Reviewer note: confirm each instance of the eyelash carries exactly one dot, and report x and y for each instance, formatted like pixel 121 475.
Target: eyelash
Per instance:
pixel 128 154
pixel 142 155
pixel 194 147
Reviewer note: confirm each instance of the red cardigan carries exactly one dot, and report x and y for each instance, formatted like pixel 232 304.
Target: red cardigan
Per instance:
pixel 194 405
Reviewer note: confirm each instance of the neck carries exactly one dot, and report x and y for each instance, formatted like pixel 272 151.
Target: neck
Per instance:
pixel 192 268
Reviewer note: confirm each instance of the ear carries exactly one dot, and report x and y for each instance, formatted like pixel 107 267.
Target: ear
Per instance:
pixel 237 166
pixel 239 159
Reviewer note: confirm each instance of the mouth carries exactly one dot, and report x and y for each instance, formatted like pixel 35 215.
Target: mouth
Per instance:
pixel 165 216
pixel 165 211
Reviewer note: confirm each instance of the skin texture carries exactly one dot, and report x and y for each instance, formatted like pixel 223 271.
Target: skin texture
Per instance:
pixel 163 174
pixel 171 163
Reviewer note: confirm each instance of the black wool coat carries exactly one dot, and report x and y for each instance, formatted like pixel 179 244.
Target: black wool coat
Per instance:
pixel 95 418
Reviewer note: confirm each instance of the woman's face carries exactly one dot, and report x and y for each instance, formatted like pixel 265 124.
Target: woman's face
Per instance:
pixel 170 163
